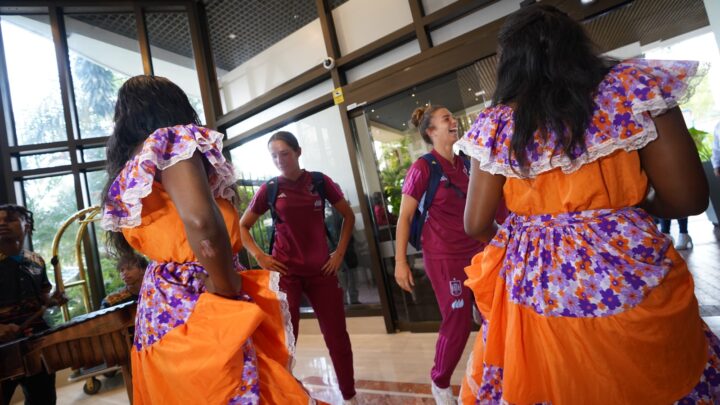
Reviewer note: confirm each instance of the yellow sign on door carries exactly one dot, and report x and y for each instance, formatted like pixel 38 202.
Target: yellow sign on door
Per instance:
pixel 338 96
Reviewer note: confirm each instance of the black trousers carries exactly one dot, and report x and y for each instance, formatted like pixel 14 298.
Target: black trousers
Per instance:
pixel 38 389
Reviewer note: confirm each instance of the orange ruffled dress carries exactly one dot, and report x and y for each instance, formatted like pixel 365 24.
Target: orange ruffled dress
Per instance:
pixel 584 300
pixel 191 347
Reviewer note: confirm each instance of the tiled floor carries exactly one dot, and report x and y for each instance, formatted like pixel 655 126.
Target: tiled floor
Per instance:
pixel 394 369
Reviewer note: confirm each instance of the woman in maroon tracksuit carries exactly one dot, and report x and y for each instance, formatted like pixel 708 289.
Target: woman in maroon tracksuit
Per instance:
pixel 300 250
pixel 445 246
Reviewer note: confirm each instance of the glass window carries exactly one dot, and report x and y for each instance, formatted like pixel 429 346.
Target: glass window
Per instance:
pixel 104 52
pixel 324 149
pixel 389 58
pixel 474 20
pixel 172 54
pixel 280 108
pixel 93 154
pixel 52 201
pixel 44 160
pixel 430 6
pixel 388 147
pixel 96 182
pixel 108 264
pixel 264 45
pixel 33 78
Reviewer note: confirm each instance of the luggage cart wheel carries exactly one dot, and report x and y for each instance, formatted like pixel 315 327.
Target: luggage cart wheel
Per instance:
pixel 92 386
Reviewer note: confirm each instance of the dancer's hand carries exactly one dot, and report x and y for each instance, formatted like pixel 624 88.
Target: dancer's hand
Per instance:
pixel 234 281
pixel 333 264
pixel 403 276
pixel 268 262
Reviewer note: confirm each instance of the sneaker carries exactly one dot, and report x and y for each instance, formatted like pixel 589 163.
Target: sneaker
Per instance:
pixel 684 242
pixel 351 401
pixel 443 396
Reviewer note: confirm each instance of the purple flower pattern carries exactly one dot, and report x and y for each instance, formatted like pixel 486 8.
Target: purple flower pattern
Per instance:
pixel 556 267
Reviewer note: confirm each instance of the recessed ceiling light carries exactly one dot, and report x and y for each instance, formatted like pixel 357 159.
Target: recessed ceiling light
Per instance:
pixel 587 1
pixel 412 95
pixel 232 36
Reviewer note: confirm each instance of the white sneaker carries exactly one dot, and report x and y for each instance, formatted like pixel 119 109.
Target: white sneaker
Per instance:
pixel 443 396
pixel 684 242
pixel 351 401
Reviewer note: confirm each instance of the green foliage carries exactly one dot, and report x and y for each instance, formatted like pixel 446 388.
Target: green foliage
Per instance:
pixel 395 163
pixel 259 231
pixel 95 94
pixel 703 142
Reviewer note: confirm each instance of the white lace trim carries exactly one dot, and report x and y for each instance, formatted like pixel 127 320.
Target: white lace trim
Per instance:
pixel 655 106
pixel 287 321
pixel 472 385
pixel 593 153
pixel 132 197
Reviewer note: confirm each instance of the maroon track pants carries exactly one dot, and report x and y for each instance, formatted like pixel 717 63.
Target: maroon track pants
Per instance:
pixel 326 298
pixel 455 301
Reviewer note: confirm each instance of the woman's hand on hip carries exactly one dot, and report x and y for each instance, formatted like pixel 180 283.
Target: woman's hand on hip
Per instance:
pixel 333 264
pixel 268 262
pixel 403 276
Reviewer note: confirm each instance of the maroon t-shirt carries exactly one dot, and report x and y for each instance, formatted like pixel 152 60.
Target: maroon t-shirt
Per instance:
pixel 443 235
pixel 300 237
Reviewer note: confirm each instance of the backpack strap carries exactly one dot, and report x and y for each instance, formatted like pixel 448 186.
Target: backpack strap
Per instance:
pixel 436 174
pixel 272 187
pixel 318 183
pixel 466 161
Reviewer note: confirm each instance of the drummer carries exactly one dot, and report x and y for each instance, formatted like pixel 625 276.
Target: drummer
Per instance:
pixel 24 296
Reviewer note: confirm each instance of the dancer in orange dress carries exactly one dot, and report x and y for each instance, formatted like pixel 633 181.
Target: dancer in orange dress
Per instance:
pixel 584 301
pixel 206 332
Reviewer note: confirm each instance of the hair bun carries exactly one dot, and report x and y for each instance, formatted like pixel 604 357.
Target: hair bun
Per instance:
pixel 417 116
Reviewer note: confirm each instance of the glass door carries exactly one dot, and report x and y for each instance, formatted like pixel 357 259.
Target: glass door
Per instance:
pixel 388 145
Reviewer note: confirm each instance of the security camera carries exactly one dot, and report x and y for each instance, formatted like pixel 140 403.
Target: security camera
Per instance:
pixel 328 63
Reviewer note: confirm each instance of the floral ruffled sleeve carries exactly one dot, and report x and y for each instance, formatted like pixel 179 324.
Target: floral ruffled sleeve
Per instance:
pixel 627 100
pixel 162 149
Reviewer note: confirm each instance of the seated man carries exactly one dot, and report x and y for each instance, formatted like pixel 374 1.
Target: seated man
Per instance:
pixel 24 296
pixel 132 270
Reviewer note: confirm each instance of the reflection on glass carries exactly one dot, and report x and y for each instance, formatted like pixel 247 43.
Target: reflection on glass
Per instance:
pixel 104 52
pixel 389 146
pixel 108 263
pixel 33 78
pixel 52 201
pixel 96 182
pixel 43 160
pixel 93 154
pixel 172 54
pixel 323 149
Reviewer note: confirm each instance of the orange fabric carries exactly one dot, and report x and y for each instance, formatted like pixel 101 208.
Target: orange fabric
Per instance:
pixel 201 361
pixel 615 181
pixel 159 213
pixel 651 354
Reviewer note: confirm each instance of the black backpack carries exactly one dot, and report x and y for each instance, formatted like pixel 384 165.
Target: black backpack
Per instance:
pixel 421 212
pixel 318 185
